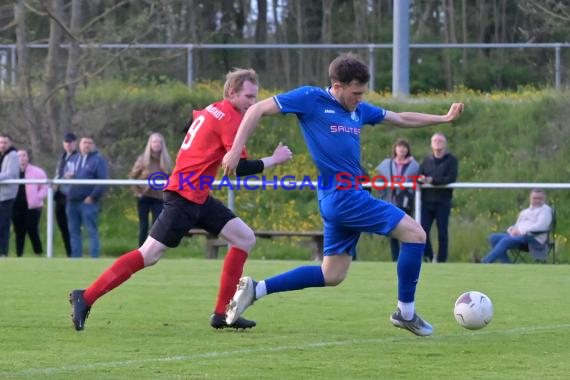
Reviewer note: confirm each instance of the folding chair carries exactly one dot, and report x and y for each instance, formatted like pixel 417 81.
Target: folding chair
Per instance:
pixel 535 250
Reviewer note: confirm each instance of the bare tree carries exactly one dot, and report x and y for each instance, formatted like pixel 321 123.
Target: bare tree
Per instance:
pixel 281 37
pixel 23 85
pixel 261 35
pixel 72 73
pixel 326 37
pixel 53 72
pixel 464 34
pixel 449 36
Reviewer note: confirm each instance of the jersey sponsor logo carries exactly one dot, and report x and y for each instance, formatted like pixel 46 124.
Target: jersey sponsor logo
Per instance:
pixel 215 112
pixel 329 111
pixel 343 129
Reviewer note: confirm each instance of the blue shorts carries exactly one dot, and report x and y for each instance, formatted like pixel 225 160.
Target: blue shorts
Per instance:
pixel 347 213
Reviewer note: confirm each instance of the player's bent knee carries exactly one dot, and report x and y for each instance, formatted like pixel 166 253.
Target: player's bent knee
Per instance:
pixel 409 231
pixel 152 251
pixel 246 240
pixel 334 279
pixel 250 240
pixel 420 234
pixel 151 257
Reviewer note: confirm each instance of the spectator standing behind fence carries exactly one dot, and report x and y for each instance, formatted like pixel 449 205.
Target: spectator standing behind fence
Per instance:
pixel 64 170
pixel 9 169
pixel 401 163
pixel 154 159
pixel 439 168
pixel 84 201
pixel 28 206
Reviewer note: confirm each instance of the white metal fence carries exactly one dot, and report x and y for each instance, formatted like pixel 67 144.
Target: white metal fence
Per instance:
pixel 231 192
pixel 370 48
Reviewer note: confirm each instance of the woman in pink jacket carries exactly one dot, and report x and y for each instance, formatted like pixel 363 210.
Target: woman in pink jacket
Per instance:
pixel 28 206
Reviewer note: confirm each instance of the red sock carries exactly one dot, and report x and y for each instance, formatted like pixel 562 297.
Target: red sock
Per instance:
pixel 115 275
pixel 231 272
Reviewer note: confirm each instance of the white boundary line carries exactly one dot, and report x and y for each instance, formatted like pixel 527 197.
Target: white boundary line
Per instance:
pixel 215 354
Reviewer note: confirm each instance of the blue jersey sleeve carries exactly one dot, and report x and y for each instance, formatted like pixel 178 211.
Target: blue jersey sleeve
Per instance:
pixel 299 101
pixel 371 114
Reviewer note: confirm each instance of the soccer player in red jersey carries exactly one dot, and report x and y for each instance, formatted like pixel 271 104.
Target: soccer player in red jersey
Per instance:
pixel 188 204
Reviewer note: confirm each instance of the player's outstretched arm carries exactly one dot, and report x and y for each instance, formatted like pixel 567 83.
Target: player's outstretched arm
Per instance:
pixel 248 124
pixel 281 155
pixel 418 120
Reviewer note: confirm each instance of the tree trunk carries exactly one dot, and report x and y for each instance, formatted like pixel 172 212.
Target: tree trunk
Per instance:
pixel 360 20
pixel 261 35
pixel 23 84
pixel 447 37
pixel 504 21
pixel 464 33
pixel 483 19
pixel 299 12
pixel 496 21
pixel 72 72
pixel 280 36
pixel 326 37
pixel 426 14
pixel 54 74
pixel 451 21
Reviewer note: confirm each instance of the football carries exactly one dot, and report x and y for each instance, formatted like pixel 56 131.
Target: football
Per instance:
pixel 473 310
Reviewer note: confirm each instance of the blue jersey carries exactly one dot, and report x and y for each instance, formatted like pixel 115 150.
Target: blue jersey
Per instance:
pixel 332 133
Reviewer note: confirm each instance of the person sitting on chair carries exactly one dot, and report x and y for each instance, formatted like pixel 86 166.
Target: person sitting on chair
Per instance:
pixel 537 217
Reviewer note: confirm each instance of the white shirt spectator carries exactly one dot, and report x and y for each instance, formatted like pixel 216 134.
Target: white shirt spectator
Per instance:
pixel 534 219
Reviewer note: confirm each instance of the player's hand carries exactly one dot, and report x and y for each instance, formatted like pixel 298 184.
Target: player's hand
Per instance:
pixel 454 111
pixel 230 162
pixel 282 154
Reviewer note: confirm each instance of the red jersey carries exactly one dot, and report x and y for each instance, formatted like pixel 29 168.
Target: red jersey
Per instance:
pixel 209 138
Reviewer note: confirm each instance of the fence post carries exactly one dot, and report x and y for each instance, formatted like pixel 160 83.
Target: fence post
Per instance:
pixel 50 220
pixel 372 67
pixel 13 66
pixel 418 205
pixel 557 67
pixel 190 65
pixel 231 199
pixel 3 70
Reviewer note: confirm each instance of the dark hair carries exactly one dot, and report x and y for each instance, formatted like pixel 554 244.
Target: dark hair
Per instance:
pixel 6 135
pixel 401 142
pixel 538 190
pixel 348 67
pixel 29 153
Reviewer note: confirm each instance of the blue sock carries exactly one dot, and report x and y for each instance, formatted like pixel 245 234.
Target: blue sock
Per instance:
pixel 298 278
pixel 409 265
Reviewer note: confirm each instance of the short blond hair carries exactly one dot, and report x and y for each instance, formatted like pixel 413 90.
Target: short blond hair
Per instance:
pixel 236 78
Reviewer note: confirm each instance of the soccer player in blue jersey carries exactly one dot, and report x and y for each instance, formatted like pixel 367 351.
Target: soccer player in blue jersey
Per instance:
pixel 331 120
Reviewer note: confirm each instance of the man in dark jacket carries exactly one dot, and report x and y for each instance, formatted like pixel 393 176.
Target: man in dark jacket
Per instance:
pixel 83 201
pixel 439 168
pixel 64 171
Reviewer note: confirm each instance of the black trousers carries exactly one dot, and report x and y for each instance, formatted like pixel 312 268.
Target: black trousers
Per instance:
pixel 440 212
pixel 27 221
pixel 146 205
pixel 5 213
pixel 61 217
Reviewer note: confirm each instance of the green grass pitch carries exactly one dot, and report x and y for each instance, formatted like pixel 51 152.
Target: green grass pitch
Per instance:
pixel 156 325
